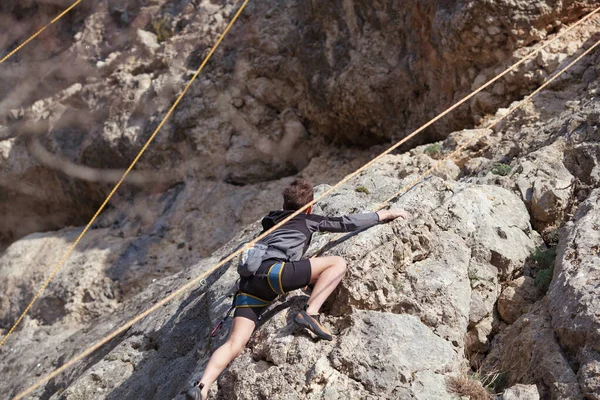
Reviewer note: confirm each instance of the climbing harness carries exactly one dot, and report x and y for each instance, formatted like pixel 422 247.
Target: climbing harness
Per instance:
pixel 241 300
pixel 245 300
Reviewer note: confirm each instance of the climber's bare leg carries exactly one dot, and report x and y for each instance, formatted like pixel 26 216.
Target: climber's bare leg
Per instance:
pixel 326 274
pixel 241 331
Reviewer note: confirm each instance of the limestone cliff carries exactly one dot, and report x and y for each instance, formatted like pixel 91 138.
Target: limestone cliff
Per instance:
pixel 495 271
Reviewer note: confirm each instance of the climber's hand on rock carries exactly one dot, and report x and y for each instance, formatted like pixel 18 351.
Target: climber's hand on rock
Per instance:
pixel 392 214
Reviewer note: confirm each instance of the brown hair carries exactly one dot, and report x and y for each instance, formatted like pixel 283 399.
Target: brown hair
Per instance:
pixel 297 194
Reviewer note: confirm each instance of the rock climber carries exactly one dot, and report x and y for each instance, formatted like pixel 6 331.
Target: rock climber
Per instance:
pixel 284 269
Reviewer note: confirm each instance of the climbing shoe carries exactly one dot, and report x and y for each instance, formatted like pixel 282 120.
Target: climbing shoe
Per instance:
pixel 195 393
pixel 313 324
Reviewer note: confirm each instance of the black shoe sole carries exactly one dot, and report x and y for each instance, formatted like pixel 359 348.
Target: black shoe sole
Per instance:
pixel 194 394
pixel 306 321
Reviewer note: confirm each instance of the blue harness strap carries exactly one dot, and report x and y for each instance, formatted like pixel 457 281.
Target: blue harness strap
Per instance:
pixel 241 300
pixel 274 277
pixel 245 300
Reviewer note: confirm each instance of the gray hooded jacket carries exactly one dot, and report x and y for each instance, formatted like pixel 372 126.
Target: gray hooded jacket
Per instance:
pixel 293 238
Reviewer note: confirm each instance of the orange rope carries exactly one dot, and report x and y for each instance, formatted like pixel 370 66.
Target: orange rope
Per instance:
pixel 490 126
pixel 201 277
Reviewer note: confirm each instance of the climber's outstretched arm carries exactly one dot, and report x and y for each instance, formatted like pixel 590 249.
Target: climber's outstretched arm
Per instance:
pixel 352 222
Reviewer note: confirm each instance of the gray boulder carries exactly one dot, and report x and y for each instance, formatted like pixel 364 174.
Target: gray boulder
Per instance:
pixel 529 352
pixel 375 355
pixel 516 298
pixel 545 185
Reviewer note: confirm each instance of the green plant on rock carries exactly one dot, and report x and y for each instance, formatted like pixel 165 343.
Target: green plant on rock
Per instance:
pixel 362 189
pixel 501 169
pixel 544 259
pixel 434 149
pixel 399 286
pixel 496 382
pixel 162 29
pixel 543 279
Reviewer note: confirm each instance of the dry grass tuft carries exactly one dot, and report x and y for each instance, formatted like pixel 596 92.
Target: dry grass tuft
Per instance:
pixel 464 385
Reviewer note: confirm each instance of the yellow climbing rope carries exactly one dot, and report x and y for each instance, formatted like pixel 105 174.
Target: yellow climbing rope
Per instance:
pixel 9 55
pixel 112 192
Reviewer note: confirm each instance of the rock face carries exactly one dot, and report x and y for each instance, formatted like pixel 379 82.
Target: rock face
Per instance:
pixel 455 286
pixel 293 80
pixel 413 357
pixel 430 283
pixel 353 69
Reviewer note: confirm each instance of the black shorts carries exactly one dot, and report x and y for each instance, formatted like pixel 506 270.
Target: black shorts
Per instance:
pixel 295 275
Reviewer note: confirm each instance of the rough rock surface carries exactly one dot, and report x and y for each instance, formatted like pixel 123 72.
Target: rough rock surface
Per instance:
pixel 437 284
pixel 516 298
pixel 413 276
pixel 545 185
pixel 529 353
pixel 521 392
pixel 551 344
pixel 574 299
